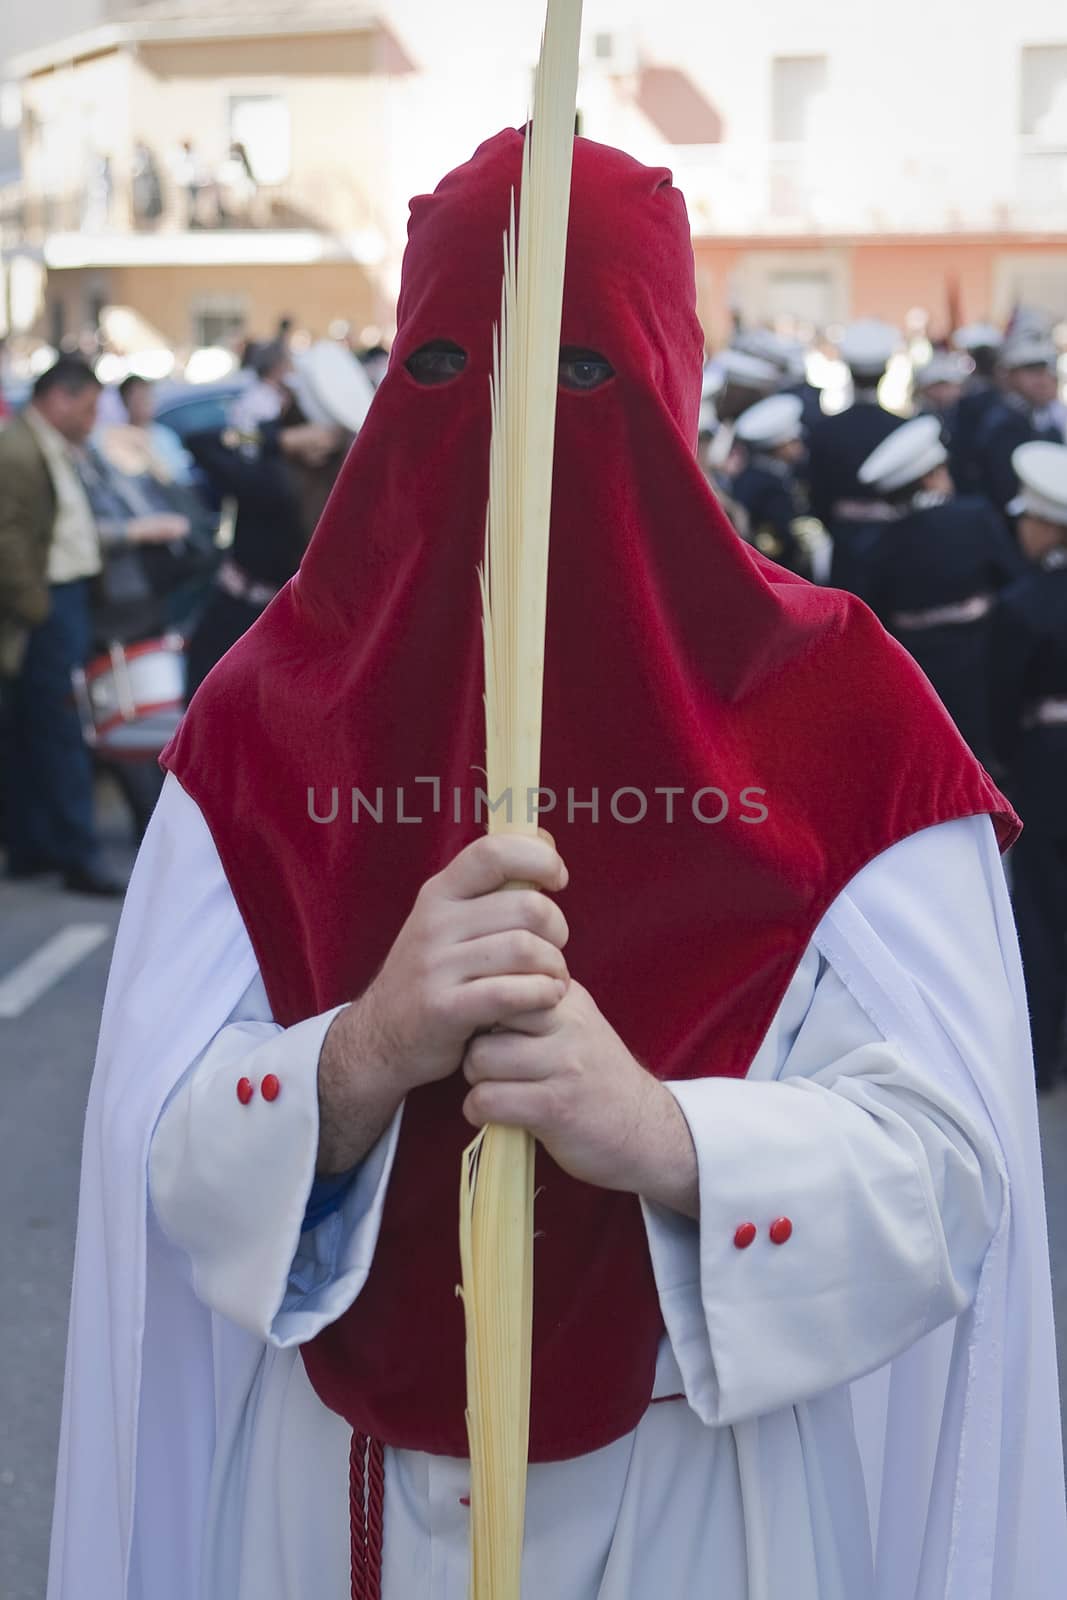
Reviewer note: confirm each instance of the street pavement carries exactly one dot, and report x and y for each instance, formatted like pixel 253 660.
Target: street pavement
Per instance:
pixel 46 1057
pixel 45 1061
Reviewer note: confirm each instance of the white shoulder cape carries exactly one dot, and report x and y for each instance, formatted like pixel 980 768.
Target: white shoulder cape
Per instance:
pixel 960 1436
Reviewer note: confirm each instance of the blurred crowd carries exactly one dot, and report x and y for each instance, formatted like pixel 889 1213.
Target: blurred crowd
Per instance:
pixel 132 558
pixel 139 538
pixel 946 512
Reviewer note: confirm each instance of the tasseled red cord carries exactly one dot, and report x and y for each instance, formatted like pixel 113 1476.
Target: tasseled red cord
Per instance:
pixel 375 1517
pixel 366 1496
pixel 357 1515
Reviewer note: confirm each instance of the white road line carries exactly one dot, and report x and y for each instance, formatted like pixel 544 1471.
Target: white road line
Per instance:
pixel 28 981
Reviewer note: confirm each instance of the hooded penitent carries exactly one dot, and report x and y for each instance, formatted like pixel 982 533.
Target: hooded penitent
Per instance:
pixel 677 660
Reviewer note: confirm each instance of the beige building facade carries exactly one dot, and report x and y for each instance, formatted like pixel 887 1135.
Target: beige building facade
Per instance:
pixel 836 161
pixel 211 177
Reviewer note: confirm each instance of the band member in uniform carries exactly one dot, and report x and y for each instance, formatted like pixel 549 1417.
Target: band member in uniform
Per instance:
pixel 839 445
pixel 933 574
pixel 789 356
pixel 767 485
pixel 718 464
pixel 736 380
pixel 937 386
pixel 981 341
pixel 733 381
pixel 1022 415
pixel 1028 678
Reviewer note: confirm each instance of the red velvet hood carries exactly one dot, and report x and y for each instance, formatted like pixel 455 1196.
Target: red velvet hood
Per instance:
pixel 677 658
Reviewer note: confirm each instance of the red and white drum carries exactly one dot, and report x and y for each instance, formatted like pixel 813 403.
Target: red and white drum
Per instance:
pixel 130 700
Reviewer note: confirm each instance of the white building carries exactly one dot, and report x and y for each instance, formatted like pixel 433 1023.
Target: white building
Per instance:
pixel 836 158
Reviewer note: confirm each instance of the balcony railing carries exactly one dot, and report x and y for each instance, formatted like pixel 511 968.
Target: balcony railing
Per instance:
pixel 850 187
pixel 327 202
pixel 840 188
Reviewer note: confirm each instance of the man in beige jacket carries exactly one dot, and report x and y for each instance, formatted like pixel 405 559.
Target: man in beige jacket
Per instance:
pixel 50 550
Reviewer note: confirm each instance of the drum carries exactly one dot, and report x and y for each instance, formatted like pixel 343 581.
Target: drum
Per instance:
pixel 130 701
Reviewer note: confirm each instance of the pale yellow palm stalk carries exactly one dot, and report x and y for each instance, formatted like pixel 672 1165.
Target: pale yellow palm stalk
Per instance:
pixel 496 1199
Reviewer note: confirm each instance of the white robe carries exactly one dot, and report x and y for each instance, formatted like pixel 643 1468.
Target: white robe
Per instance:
pixel 889 1113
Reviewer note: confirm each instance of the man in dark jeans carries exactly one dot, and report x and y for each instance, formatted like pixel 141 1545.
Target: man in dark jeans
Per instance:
pixel 50 551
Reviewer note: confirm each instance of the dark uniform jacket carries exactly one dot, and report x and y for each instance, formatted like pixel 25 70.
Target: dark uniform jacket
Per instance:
pixel 837 448
pixel 1028 668
pixel 1006 425
pixel 973 406
pixel 27 518
pixel 932 579
pixel 769 493
pixel 811 400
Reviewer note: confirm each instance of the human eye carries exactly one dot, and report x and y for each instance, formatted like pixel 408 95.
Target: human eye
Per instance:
pixel 438 362
pixel 583 369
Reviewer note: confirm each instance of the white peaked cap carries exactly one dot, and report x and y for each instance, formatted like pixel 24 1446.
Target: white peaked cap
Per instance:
pixel 331 386
pixel 868 345
pixel 909 453
pixel 1028 350
pixel 944 366
pixel 764 343
pixel 978 336
pixel 1041 468
pixel 771 422
pixel 748 372
pixel 788 355
pixel 1028 323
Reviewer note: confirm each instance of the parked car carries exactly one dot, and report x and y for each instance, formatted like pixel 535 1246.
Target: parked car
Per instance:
pixel 197 407
pixel 16 393
pixel 185 407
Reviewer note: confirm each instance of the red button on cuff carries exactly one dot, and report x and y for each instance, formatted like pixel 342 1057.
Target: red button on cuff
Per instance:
pixel 745 1235
pixel 781 1230
pixel 245 1090
pixel 270 1088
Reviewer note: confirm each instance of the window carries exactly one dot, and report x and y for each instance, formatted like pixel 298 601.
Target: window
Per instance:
pixel 1038 282
pixel 260 124
pixel 618 54
pixel 1043 93
pixel 10 106
pixel 798 96
pixel 802 297
pixel 796 291
pixel 217 319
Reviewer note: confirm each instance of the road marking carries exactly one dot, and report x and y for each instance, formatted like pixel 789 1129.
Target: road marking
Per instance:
pixel 57 956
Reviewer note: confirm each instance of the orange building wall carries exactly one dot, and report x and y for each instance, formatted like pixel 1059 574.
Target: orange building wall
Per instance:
pixel 886 277
pixel 889 280
pixel 313 295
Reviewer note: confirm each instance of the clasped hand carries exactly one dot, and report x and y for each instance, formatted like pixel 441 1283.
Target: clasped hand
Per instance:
pixel 477 980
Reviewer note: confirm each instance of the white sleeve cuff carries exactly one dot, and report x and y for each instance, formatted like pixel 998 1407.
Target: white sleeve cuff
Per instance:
pixel 856 1281
pixel 885 1188
pixel 230 1172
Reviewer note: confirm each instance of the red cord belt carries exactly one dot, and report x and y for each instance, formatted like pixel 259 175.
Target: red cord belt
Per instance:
pixel 366 1496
